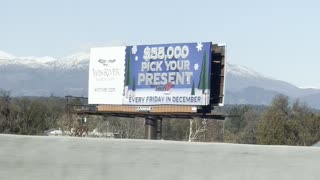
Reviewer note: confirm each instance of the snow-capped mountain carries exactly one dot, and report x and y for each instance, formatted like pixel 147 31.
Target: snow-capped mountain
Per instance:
pixel 237 70
pixel 43 76
pixel 4 55
pixel 78 61
pixel 247 86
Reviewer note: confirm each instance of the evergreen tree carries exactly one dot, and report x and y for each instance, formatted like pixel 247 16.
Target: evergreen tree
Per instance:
pixel 204 75
pixel 192 90
pixel 134 84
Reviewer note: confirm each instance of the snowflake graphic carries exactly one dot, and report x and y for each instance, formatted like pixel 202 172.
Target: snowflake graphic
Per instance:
pixel 134 49
pixel 196 66
pixel 136 58
pixel 199 46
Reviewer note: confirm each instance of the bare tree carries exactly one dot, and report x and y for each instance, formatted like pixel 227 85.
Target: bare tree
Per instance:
pixel 197 127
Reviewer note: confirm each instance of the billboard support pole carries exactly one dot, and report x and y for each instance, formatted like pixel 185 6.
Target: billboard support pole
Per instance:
pixel 152 128
pixel 159 129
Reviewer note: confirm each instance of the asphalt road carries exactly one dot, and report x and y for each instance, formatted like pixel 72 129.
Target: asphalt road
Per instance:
pixel 46 158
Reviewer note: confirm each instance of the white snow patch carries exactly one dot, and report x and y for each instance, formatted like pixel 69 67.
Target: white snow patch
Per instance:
pixel 4 55
pixel 74 61
pixel 310 87
pixel 242 71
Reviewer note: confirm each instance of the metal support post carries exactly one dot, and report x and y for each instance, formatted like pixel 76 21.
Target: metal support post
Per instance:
pixel 153 128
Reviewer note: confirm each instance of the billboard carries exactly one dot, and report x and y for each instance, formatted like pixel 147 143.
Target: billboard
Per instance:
pixel 106 75
pixel 162 74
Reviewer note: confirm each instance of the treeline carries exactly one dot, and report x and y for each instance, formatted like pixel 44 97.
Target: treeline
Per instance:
pixel 280 123
pixel 35 115
pixel 29 116
pixel 277 124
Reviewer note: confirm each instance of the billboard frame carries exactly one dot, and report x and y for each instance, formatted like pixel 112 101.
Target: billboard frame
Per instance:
pixel 217 92
pixel 153 114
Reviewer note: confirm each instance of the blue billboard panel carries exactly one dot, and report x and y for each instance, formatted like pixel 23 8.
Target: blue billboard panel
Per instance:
pixel 176 74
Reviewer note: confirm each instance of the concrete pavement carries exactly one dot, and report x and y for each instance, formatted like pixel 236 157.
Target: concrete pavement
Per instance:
pixel 39 158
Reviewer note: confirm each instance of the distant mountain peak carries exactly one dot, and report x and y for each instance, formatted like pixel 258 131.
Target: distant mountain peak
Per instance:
pixel 77 60
pixel 5 55
pixel 242 71
pixel 74 61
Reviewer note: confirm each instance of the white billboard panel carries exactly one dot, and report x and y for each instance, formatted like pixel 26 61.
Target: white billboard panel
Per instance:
pixel 106 75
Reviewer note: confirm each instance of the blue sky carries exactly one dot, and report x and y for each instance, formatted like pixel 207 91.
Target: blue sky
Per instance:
pixel 276 38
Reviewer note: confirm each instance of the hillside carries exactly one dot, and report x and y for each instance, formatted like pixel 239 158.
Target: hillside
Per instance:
pixel 44 76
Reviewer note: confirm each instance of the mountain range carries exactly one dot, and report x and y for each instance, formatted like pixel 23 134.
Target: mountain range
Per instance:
pixel 45 76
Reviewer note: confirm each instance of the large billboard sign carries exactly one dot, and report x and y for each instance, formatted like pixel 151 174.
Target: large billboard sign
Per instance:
pixel 163 74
